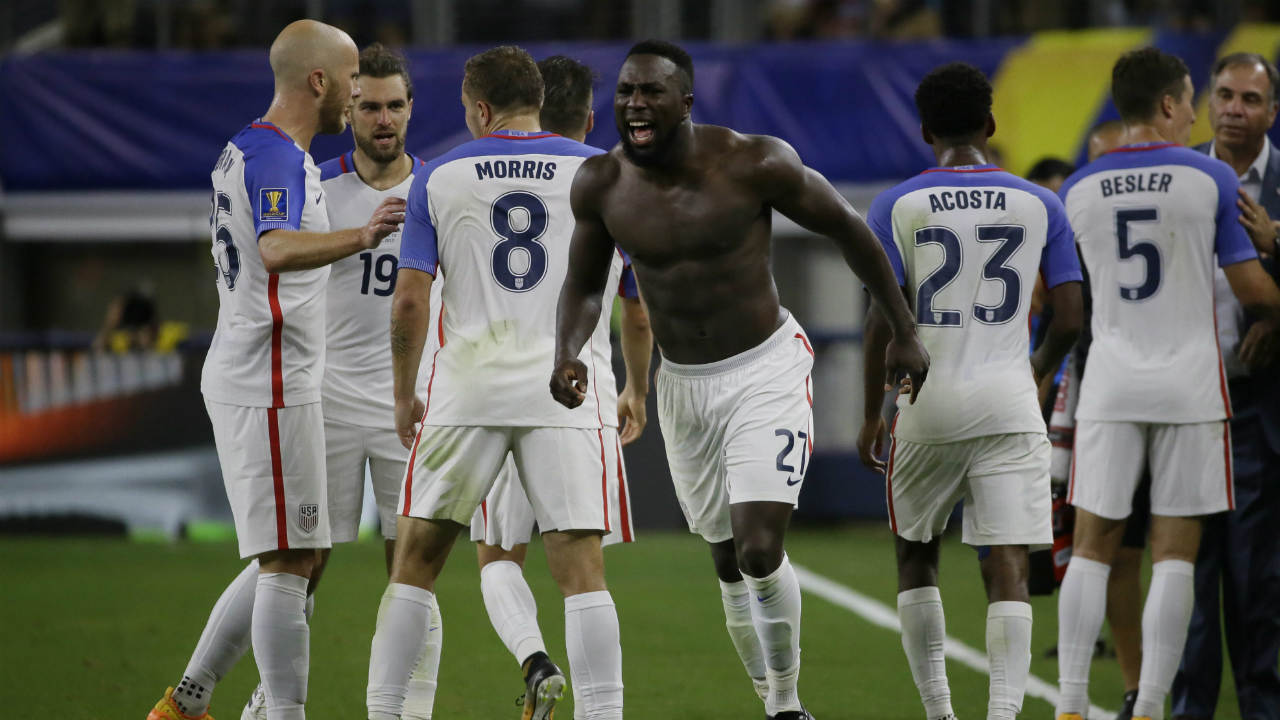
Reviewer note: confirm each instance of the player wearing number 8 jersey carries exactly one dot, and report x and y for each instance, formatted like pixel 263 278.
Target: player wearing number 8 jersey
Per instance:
pixel 966 240
pixel 1151 219
pixel 493 216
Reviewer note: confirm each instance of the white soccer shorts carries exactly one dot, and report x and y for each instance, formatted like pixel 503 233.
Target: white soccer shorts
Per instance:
pixel 562 470
pixel 347 449
pixel 739 429
pixel 1003 480
pixel 505 517
pixel 1190 467
pixel 273 468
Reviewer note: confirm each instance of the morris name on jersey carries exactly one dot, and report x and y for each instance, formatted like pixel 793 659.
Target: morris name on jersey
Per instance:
pixel 967 244
pixel 492 216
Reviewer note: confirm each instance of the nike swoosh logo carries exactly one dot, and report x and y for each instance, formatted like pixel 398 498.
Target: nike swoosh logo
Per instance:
pixel 797 481
pixel 319 198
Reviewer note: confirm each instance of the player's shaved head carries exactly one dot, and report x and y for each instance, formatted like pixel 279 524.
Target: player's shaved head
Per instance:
pixel 307 45
pixel 1104 138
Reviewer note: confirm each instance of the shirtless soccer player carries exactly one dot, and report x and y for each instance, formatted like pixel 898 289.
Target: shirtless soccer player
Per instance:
pixel 493 215
pixel 968 241
pixel 261 381
pixel 692 205
pixel 359 424
pixel 503 524
pixel 1152 219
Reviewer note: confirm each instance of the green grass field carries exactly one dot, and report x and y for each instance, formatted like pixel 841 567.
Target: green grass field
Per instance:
pixel 96 628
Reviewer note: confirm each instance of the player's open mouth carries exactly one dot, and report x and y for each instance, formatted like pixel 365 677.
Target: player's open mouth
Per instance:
pixel 384 139
pixel 641 132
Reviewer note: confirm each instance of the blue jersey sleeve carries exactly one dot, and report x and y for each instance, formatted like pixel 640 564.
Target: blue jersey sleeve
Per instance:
pixel 418 249
pixel 627 287
pixel 880 219
pixel 1231 243
pixel 275 178
pixel 1059 262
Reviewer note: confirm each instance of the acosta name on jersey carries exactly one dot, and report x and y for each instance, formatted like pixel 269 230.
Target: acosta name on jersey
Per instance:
pixel 966 200
pixel 1137 182
pixel 525 169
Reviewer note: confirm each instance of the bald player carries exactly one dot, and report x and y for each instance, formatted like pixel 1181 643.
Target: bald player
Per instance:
pixel 272 246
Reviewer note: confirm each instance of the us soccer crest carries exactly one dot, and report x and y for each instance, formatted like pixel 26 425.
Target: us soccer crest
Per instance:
pixel 308 517
pixel 273 204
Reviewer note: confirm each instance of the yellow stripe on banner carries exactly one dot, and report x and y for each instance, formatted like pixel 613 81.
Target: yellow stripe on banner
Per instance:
pixel 1048 92
pixel 1260 38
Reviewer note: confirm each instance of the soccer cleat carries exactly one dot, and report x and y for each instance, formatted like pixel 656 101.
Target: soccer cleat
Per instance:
pixel 256 708
pixel 1070 716
pixel 167 709
pixel 800 714
pixel 1126 708
pixel 1142 717
pixel 543 687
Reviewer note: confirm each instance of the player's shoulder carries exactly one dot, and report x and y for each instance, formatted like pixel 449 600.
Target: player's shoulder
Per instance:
pixel 1137 157
pixel 337 167
pixel 259 140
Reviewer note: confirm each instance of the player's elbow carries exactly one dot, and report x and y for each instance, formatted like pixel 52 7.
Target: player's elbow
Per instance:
pixel 273 258
pixel 406 305
pixel 1067 300
pixel 1254 288
pixel 636 318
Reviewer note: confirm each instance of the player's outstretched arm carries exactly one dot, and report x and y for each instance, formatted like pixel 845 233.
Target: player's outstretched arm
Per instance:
pixel 806 197
pixel 637 351
pixel 1067 301
pixel 590 253
pixel 1255 289
pixel 875 338
pixel 410 317
pixel 290 250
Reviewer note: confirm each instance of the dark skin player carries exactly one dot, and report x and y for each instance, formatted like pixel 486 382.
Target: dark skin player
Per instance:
pixel 692 205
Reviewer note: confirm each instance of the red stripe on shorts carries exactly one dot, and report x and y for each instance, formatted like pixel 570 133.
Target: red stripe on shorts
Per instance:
pixel 408 478
pixel 1226 452
pixel 277 330
pixel 622 496
pixel 277 478
pixel 604 465
pixel 888 478
pixel 1071 484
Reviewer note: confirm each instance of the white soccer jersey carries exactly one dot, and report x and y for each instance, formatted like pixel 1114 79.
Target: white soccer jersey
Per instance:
pixel 967 244
pixel 358 385
pixel 493 217
pixel 268 348
pixel 1149 220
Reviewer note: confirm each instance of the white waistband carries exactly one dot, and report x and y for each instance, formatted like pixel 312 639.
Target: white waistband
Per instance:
pixel 788 330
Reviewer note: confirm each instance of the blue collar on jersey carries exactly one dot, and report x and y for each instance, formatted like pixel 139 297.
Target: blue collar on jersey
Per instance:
pixel 519 135
pixel 1138 147
pixel 966 169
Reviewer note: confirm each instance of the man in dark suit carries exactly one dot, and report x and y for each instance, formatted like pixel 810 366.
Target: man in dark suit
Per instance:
pixel 1240 550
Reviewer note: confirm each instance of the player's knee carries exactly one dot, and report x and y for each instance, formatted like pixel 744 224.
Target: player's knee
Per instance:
pixel 294 562
pixel 759 558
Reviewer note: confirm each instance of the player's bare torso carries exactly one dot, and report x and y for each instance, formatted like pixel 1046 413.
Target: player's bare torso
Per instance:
pixel 699 238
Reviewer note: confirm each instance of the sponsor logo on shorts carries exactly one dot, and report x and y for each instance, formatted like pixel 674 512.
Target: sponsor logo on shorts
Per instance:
pixel 308 517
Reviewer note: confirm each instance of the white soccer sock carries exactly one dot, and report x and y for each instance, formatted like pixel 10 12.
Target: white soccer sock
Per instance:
pixel 1008 656
pixel 595 655
pixel 421 694
pixel 1082 604
pixel 1164 632
pixel 281 642
pixel 924 630
pixel 736 598
pixel 222 643
pixel 512 609
pixel 775 612
pixel 398 642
